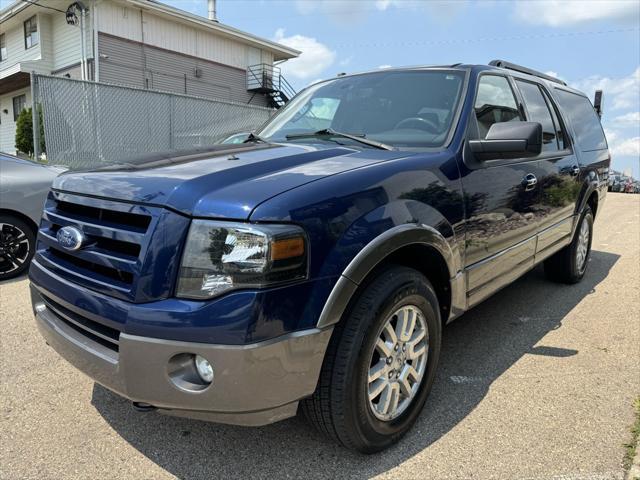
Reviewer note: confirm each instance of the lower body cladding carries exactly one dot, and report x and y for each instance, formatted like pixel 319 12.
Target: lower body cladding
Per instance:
pixel 254 384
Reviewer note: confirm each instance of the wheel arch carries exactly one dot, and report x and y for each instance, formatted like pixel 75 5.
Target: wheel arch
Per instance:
pixel 21 216
pixel 417 246
pixel 592 201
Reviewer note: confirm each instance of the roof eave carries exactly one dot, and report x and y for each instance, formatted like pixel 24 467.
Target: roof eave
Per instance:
pixel 12 9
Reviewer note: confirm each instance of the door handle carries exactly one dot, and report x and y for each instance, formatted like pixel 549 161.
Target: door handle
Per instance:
pixel 529 182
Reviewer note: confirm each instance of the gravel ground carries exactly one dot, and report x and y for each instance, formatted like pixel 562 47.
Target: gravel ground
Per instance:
pixel 537 382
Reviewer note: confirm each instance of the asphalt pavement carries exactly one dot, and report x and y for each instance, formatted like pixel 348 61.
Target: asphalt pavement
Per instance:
pixel 537 382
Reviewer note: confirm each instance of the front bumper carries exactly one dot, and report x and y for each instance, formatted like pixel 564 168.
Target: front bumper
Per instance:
pixel 254 384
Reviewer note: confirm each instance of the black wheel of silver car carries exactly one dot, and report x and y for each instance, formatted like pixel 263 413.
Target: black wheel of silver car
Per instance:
pixel 570 264
pixel 17 242
pixel 380 364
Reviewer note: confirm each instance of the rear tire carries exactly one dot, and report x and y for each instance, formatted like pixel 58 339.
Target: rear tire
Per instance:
pixel 570 264
pixel 345 406
pixel 17 245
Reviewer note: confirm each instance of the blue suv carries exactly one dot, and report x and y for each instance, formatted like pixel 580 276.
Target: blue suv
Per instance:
pixel 313 267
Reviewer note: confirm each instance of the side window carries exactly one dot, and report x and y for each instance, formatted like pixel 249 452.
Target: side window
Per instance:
pixel 494 103
pixel 563 139
pixel 584 119
pixel 31 37
pixel 19 104
pixel 3 48
pixel 539 112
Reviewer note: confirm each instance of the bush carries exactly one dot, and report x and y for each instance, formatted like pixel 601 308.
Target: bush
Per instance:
pixel 24 132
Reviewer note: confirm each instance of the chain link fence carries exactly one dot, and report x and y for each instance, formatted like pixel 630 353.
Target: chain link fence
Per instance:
pixel 89 124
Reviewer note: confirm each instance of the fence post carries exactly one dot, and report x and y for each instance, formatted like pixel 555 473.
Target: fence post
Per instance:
pixel 35 115
pixel 172 106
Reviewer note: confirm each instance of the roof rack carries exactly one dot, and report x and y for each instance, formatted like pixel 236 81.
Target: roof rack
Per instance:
pixel 518 68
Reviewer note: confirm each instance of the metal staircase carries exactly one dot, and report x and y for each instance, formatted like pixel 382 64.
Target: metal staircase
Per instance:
pixel 268 80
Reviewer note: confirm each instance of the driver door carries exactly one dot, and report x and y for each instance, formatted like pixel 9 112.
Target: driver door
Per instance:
pixel 499 196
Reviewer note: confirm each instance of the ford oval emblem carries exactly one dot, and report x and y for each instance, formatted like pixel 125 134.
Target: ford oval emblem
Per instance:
pixel 70 238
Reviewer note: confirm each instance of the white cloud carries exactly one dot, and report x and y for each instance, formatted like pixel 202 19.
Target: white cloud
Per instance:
pixel 628 118
pixel 440 9
pixel 629 147
pixel 344 12
pixel 558 13
pixel 314 59
pixel 619 146
pixel 382 67
pixel 620 93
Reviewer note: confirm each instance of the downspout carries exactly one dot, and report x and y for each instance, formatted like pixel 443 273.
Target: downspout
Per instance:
pixel 83 57
pixel 96 54
pixel 72 19
pixel 143 52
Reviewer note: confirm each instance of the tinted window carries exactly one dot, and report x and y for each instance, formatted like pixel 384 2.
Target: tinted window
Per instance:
pixel 539 112
pixel 494 103
pixel 584 119
pixel 413 108
pixel 563 140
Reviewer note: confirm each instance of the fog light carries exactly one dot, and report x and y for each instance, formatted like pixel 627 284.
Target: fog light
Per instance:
pixel 40 307
pixel 204 368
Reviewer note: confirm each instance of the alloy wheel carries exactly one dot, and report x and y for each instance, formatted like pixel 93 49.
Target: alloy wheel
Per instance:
pixel 398 363
pixel 14 248
pixel 582 249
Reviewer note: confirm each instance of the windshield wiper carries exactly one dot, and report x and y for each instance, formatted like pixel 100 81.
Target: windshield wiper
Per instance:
pixel 328 132
pixel 252 137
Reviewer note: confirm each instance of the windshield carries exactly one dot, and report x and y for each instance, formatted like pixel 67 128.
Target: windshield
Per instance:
pixel 400 108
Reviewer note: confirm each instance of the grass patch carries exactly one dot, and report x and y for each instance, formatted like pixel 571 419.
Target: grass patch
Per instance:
pixel 630 448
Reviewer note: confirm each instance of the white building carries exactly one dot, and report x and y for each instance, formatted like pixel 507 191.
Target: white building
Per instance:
pixel 140 43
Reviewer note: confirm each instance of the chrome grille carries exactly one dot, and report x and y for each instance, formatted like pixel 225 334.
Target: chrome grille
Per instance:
pixel 117 235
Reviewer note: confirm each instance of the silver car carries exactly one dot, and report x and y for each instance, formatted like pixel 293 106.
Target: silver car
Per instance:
pixel 23 189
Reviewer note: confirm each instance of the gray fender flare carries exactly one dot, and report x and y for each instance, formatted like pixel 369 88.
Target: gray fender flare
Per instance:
pixel 374 253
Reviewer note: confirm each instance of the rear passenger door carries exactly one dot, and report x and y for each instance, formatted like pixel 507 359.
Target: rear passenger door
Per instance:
pixel 558 185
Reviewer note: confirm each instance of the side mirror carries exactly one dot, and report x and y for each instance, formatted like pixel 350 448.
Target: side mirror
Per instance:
pixel 597 102
pixel 509 140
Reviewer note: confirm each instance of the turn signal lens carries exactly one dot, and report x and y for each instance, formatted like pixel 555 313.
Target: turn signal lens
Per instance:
pixel 287 248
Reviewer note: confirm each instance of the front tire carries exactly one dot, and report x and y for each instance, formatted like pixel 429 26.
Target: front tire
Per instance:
pixel 371 390
pixel 570 264
pixel 17 245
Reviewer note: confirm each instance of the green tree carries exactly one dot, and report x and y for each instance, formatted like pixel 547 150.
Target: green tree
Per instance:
pixel 24 132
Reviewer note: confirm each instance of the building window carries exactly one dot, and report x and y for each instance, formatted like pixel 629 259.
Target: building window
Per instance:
pixel 19 104
pixel 3 48
pixel 31 36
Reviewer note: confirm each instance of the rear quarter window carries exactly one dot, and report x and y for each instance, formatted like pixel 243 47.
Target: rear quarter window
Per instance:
pixel 584 119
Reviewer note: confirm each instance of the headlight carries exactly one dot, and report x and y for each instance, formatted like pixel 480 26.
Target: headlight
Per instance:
pixel 221 256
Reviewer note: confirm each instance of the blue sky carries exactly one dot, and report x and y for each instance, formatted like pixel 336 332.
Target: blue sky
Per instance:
pixel 589 43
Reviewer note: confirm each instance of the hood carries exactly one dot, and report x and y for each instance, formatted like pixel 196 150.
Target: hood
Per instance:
pixel 222 183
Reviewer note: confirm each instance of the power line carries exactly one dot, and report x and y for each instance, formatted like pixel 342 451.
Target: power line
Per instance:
pixel 484 39
pixel 43 6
